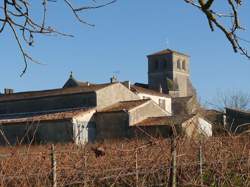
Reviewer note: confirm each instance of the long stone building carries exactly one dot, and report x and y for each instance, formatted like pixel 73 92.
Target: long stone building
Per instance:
pixel 82 111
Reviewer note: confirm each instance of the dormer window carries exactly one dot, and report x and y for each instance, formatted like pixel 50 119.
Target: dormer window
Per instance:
pixel 184 67
pixel 178 64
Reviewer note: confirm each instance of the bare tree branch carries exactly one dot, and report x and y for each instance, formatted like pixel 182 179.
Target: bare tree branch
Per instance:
pixel 16 15
pixel 231 33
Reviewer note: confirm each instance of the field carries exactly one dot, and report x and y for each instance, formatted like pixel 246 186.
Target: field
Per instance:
pixel 219 161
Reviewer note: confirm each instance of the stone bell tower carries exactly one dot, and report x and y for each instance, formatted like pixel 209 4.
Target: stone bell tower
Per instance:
pixel 169 70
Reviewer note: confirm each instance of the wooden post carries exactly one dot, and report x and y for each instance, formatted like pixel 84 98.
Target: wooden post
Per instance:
pixel 248 163
pixel 53 166
pixel 85 171
pixel 173 169
pixel 201 163
pixel 136 168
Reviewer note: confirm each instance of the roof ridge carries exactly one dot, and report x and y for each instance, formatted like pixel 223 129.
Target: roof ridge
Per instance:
pixel 167 51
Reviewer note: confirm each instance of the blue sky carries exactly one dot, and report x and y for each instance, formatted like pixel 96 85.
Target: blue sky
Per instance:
pixel 124 34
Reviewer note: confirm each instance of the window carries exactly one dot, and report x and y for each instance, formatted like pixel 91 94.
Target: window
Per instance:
pixel 179 64
pixel 184 65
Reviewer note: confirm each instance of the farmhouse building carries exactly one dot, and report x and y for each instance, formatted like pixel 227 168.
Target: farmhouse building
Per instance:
pixel 74 125
pixel 82 112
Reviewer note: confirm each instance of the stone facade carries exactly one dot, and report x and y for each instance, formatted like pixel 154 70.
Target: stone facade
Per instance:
pixel 163 100
pixel 116 108
pixel 115 123
pixel 85 96
pixel 116 92
pixel 111 125
pixel 76 126
pixel 149 109
pixel 169 70
pixel 37 132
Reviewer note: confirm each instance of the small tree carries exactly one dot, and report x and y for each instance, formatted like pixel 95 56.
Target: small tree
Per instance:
pixel 231 99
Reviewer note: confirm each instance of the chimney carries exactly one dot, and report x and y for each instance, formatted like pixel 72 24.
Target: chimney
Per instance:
pixel 127 84
pixel 113 79
pixel 8 91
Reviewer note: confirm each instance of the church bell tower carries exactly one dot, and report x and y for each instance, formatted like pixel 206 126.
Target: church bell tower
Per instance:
pixel 169 70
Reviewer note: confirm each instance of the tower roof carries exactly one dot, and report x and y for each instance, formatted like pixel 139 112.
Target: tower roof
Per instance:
pixel 167 51
pixel 72 82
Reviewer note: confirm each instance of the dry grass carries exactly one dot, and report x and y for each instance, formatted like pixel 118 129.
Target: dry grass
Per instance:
pixel 227 163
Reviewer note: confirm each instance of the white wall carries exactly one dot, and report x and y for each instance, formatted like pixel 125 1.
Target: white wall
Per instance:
pixel 155 98
pixel 83 129
pixel 197 126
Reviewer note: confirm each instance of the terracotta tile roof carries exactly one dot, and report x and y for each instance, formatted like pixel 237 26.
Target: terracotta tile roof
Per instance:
pixel 124 105
pixel 53 92
pixel 167 51
pixel 138 89
pixel 42 116
pixel 164 120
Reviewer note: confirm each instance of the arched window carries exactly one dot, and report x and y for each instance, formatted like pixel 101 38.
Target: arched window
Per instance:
pixel 178 64
pixel 184 65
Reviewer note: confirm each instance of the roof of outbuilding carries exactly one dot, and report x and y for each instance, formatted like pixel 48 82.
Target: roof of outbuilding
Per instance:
pixel 164 120
pixel 124 106
pixel 238 110
pixel 138 89
pixel 167 51
pixel 43 116
pixel 52 92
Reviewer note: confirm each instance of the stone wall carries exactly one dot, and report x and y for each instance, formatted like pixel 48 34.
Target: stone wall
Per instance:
pixel 168 101
pixel 158 75
pixel 113 94
pixel 84 127
pixel 149 109
pixel 181 75
pixel 168 68
pixel 112 125
pixel 38 132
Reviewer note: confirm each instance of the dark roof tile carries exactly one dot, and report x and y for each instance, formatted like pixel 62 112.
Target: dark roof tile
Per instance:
pixel 164 120
pixel 53 92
